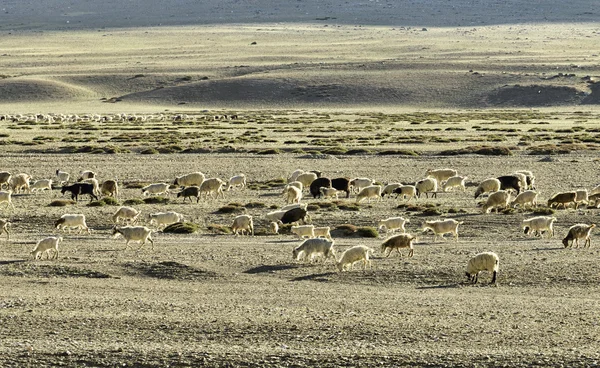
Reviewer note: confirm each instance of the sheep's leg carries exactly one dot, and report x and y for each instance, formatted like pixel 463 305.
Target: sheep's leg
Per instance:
pixel 588 242
pixel 55 254
pixel 411 252
pixel 127 244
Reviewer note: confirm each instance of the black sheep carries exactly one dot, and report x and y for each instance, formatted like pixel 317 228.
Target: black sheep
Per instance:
pixel 294 215
pixel 508 182
pixel 316 185
pixel 341 184
pixel 192 191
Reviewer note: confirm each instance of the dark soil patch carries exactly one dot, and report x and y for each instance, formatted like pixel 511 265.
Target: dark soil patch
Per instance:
pixel 535 95
pixel 170 270
pixel 26 269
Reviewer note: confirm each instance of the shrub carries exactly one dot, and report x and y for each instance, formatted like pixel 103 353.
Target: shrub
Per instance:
pixel 61 203
pixel 367 232
pixel 133 202
pixel 219 229
pixel 156 200
pixel 231 208
pixel 181 228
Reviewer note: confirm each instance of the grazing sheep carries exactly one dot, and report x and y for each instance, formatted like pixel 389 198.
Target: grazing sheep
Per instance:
pixel 212 185
pixel 441 227
pixel 486 261
pixel 69 221
pixel 577 232
pixel 563 198
pixel 313 247
pixel 4 225
pixel 306 178
pixel 45 246
pixel 6 197
pixel 294 205
pixel 20 182
pixel 454 182
pixel 297 184
pixel 539 224
pixel 522 180
pixel 426 186
pixel 496 200
pixel 487 186
pixel 329 192
pixel 189 192
pixel 292 194
pixel 294 175
pixel 238 180
pixel 242 223
pixel 581 196
pixel 95 183
pixel 358 183
pixel 341 184
pixel 134 233
pixel 358 253
pixel 109 188
pixel 191 179
pixel 526 197
pixel 165 218
pixel 78 189
pixel 324 231
pixel 295 215
pixel 405 191
pixel 274 227
pixel 530 179
pixel 276 215
pixel 441 174
pixel 155 189
pixel 5 177
pixel 62 177
pixel 126 213
pixel 389 189
pixel 397 242
pixel 595 198
pixel 373 191
pixel 303 231
pixel 317 184
pixel 41 184
pixel 508 182
pixel 87 174
pixel 392 224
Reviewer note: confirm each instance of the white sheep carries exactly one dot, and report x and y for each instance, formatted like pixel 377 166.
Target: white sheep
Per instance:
pixel 306 178
pixel 292 194
pixel 275 216
pixel 324 231
pixel 109 188
pixel 294 176
pixel 237 181
pixel 45 246
pixel 294 205
pixel 329 192
pixel 242 223
pixel 487 186
pixel 441 174
pixel 595 198
pixel 62 177
pixel 6 196
pixel 564 198
pixel 392 224
pixel 499 199
pixel 126 213
pixel 20 182
pixel 313 247
pixel 303 231
pixel 87 174
pixel 522 179
pixel 5 177
pixel 69 221
pixel 274 227
pixel 581 196
pixel 358 253
pixel 530 178
pixel 358 183
pixel 134 233
pixel 426 186
pixel 441 227
pixel 42 184
pixel 4 225
pixel 406 191
pixel 191 179
pixel 577 232
pixel 595 190
pixel 165 218
pixel 526 197
pixel 397 242
pixel 373 191
pixel 388 189
pixel 539 224
pixel 454 182
pixel 297 184
pixel 155 189
pixel 486 261
pixel 212 185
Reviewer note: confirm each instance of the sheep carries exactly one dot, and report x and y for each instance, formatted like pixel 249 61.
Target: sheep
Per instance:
pixel 189 192
pixel 358 183
pixel 238 180
pixel 595 190
pixel 242 223
pixel 304 230
pixel 6 196
pixel 496 200
pixel 294 205
pixel 126 213
pixel 156 188
pixel 487 186
pixel 579 231
pixel 78 189
pixel 397 242
pixel 595 198
pixel 306 178
pixel 405 191
pixel 109 188
pixel 358 253
pixel 62 177
pixel 329 192
pixel 292 194
pixel 165 218
pixel 392 224
pixel 4 225
pixel 274 227
pixel 425 186
pixel 5 177
pixel 296 184
pixel 317 184
pixel 581 196
pixel 295 215
pixel 508 182
pixel 45 246
pixel 441 174
pixel 538 224
pixel 441 227
pixel 212 185
pixel 276 215
pixel 389 188
pixel 87 174
pixel 20 182
pixel 324 231
pixel 530 178
pixel 95 184
pixel 188 180
pixel 454 182
pixel 41 184
pixel 341 184
pixel 313 247
pixel 486 261
pixel 373 191
pixel 134 233
pixel 69 221
pixel 294 175
pixel 522 180
pixel 526 197
pixel 563 198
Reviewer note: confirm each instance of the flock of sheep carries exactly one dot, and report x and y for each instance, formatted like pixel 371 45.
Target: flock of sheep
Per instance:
pixel 319 241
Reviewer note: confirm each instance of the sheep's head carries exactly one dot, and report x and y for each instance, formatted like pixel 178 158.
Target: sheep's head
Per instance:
pixel 565 242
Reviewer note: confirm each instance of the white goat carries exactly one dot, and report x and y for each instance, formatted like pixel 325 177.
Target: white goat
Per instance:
pixel 441 227
pixel 324 231
pixel 306 178
pixel 4 225
pixel 45 246
pixel 538 224
pixel 155 189
pixel 42 184
pixel 526 197
pixel 242 223
pixel 454 182
pixel 6 196
pixel 191 179
pixel 297 184
pixel 358 253
pixel 294 175
pixel 426 186
pixel 274 227
pixel 329 192
pixel 134 233
pixel 20 182
pixel 69 221
pixel 294 205
pixel 499 199
pixel 238 180
pixel 581 196
pixel 373 191
pixel 406 191
pixel 292 194
pixel 441 174
pixel 577 232
pixel 313 247
pixel 392 224
pixel 388 189
pixel 487 186
pixel 275 216
pixel 212 185
pixel 486 261
pixel 87 174
pixel 303 230
pixel 165 218
pixel 126 213
pixel 62 177
pixel 358 183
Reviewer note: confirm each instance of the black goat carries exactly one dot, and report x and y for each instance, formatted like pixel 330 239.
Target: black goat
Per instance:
pixel 78 189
